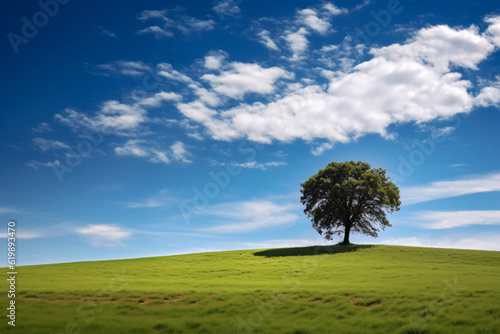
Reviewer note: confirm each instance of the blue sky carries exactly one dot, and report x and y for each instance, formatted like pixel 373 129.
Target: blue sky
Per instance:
pixel 153 128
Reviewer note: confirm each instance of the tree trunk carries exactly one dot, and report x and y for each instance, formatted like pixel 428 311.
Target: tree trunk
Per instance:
pixel 346 235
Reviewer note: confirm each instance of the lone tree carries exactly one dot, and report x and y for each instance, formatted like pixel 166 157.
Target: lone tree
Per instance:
pixel 349 197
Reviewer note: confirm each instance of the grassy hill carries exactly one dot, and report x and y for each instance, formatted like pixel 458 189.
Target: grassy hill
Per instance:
pixel 355 289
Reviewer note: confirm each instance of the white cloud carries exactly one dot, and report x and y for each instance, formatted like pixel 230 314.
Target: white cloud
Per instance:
pixel 206 96
pixel 267 41
pixel 227 7
pixel 122 67
pixel 362 5
pixel 442 132
pixel 214 60
pixel 322 148
pixel 49 144
pixel 343 56
pixel 493 31
pixel 263 166
pixel 329 48
pixel 334 10
pixel 442 46
pixel 32 234
pixel 247 216
pixel 158 156
pixel 184 23
pixel 298 43
pixel 244 78
pixel 120 116
pixel 197 111
pixel 35 164
pixel 142 148
pixel 133 68
pixel 354 103
pixel 194 24
pixel 179 152
pixel 166 70
pixel 451 219
pixel 152 14
pixel 157 99
pixel 113 117
pixel 156 31
pixel 446 189
pixel 133 147
pixel 489 95
pixel 104 235
pixel 487 241
pixel 43 127
pixel 309 17
pixel 212 63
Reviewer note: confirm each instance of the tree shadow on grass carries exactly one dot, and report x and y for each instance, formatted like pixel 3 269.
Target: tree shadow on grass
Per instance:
pixel 312 250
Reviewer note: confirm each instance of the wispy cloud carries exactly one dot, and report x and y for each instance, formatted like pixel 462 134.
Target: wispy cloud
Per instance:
pixel 113 117
pixel 10 210
pixel 334 10
pixel 362 5
pixel 186 24
pixel 156 31
pixel 263 166
pixel 104 235
pixel 227 8
pixel 447 189
pixel 35 164
pixel 49 144
pixel 153 14
pixel 107 33
pixel 43 127
pixel 157 99
pixel 166 70
pixel 193 24
pixel 142 148
pixel 121 119
pixel 162 199
pixel 38 231
pixel 309 17
pixel 267 41
pixel 122 67
pixel 307 21
pixel 451 219
pixel 247 216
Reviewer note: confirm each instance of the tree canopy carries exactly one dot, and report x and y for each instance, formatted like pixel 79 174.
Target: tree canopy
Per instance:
pixel 349 197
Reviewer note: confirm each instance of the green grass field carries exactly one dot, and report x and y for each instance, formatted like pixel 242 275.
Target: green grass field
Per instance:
pixel 336 289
